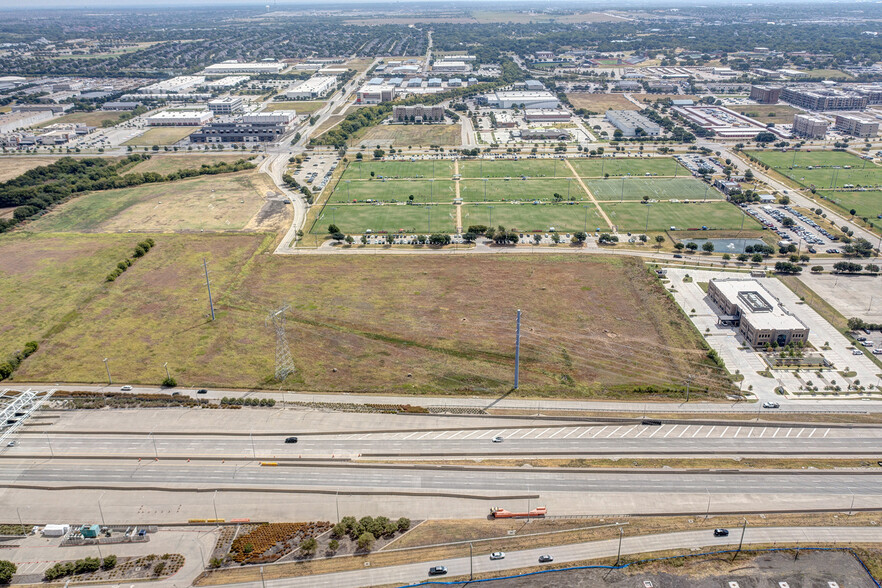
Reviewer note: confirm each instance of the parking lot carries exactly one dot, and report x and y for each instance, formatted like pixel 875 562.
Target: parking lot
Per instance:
pixel 317 170
pixel 803 229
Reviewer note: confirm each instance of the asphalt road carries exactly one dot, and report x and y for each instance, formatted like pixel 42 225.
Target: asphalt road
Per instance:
pixel 593 439
pixel 432 479
pixel 704 540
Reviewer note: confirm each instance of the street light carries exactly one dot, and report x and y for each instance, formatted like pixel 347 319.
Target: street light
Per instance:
pixel 109 379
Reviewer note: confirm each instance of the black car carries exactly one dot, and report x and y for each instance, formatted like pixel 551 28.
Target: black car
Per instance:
pixel 721 532
pixel 545 558
pixel 678 256
pixel 437 571
pixel 290 439
pixel 202 391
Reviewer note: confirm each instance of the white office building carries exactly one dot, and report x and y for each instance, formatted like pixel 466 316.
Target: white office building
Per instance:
pixel 225 105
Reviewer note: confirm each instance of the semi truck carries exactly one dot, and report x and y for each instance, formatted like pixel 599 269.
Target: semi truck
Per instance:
pixel 497 512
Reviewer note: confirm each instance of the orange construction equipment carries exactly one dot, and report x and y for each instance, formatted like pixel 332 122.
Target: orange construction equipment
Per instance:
pixel 500 513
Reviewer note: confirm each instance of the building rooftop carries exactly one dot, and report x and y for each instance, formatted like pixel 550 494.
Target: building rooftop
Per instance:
pixel 761 308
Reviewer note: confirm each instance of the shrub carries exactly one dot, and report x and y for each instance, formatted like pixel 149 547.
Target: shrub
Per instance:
pixel 366 541
pixel 333 545
pixel 169 383
pixel 109 562
pixel 157 569
pixel 7 569
pixel 403 524
pixel 308 546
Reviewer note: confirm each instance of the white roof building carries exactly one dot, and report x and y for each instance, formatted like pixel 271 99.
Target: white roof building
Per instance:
pixel 314 87
pixel 179 118
pixel 235 67
pixel 176 85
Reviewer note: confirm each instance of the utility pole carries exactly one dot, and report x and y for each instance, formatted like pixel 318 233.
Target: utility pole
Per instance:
pixel 471 563
pixel 109 379
pixel 101 511
pixel 619 554
pixel 208 285
pixel 741 542
pixel 517 350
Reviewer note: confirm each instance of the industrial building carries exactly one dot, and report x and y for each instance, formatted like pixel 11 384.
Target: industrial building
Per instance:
pixel 375 94
pixel 235 67
pixel 857 124
pixel 824 99
pixel 725 123
pixel 227 82
pixel 120 105
pixel 809 126
pixel 179 118
pixel 628 121
pixel 418 113
pixel 314 87
pixel 534 86
pixel 226 105
pixel 460 66
pixel 176 85
pixel 521 100
pixel 504 120
pixel 543 134
pixel 12 121
pixel 55 108
pixel 546 115
pixel 238 132
pixel 759 317
pixel 278 117
pixel 765 94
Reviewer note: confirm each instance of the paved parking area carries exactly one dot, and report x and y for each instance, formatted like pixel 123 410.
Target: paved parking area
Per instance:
pixel 852 296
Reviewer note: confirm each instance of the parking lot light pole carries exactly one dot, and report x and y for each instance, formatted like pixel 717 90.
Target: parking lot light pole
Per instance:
pixel 471 563
pixel 167 375
pixel 619 554
pixel 109 379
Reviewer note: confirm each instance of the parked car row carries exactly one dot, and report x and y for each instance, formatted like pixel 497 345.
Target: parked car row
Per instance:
pixel 802 232
pixel 811 223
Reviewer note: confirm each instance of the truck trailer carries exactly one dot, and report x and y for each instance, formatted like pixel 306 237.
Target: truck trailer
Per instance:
pixel 498 512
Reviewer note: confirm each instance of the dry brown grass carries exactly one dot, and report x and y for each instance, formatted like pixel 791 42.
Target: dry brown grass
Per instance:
pixel 167 163
pixel 783 113
pixel 407 135
pixel 601 102
pixel 14 166
pixel 161 136
pixel 650 463
pixel 767 417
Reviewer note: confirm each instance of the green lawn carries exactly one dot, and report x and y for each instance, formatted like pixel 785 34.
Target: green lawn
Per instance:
pixel 531 218
pixel 523 190
pixel 656 188
pixel 632 216
pixel 514 169
pixel 361 170
pixel 298 106
pixel 393 218
pixel 623 166
pixel 424 191
pixel 868 203
pixel 828 168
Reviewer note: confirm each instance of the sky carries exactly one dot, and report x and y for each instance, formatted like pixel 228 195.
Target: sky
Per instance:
pixel 128 4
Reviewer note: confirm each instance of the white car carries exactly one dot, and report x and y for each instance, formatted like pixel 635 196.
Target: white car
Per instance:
pixel 497 439
pixel 497 555
pixel 126 388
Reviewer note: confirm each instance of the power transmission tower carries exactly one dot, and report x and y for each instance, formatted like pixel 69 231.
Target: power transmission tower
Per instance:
pixel 284 361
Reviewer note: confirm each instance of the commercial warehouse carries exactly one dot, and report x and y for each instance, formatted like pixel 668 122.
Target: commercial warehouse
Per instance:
pixel 234 67
pixel 314 87
pixel 629 121
pixel 179 118
pixel 238 132
pixel 759 317
pixel 521 100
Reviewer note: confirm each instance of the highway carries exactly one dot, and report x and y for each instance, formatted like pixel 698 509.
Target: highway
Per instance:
pixel 646 544
pixel 601 439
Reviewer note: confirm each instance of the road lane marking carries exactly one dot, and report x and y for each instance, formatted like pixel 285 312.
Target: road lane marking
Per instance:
pixel 556 433
pixel 684 431
pixel 587 429
pixel 600 431
pixel 571 432
pixel 672 429
pixel 812 432
pixel 613 432
pixel 697 430
pixel 723 434
pixel 775 434
pixel 825 432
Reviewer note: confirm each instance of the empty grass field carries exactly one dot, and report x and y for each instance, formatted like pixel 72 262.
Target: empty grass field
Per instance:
pixel 361 170
pixel 161 136
pixel 535 218
pixel 624 166
pixel 828 168
pixel 497 190
pixel 211 203
pixel 168 163
pixel 533 168
pixel 768 113
pixel 655 188
pixel 866 204
pixel 92 119
pixel 298 106
pixel 14 166
pixel 601 102
pixel 634 216
pixel 356 323
pixel 408 135
pixel 390 218
pixel 423 191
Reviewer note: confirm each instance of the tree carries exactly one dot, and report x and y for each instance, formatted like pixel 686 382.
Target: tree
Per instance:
pixel 403 524
pixel 555 238
pixel 855 324
pixel 308 546
pixel 379 153
pixel 366 541
pixel 708 247
pixel 333 229
pixel 537 239
pixel 847 267
pixel 659 239
pixel 169 382
pixel 349 239
pixel 786 267
pixel 757 258
pixel 764 137
pixel 333 545
pixel 579 237
pixel 338 236
pixel 726 257
pixel 679 246
pixel 871 268
pixel 816 269
pixel 692 246
pixel 109 562
pixel 742 257
pixel 7 570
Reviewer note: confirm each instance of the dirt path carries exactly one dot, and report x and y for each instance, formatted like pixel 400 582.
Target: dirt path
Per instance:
pixel 590 195
pixel 458 205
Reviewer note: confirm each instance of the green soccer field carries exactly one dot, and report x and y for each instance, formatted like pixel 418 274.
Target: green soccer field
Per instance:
pixel 530 217
pixel 392 218
pixel 424 191
pixel 634 216
pixel 523 190
pixel 867 203
pixel 623 166
pixel 361 170
pixel 656 188
pixel 828 168
pixel 531 168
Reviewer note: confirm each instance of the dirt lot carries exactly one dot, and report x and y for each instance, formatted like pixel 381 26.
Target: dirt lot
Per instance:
pixel 600 103
pixel 368 324
pixel 749 571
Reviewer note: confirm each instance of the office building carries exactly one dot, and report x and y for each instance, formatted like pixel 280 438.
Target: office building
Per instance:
pixel 226 105
pixel 238 132
pixel 522 100
pixel 314 87
pixel 418 113
pixel 760 319
pixel 824 99
pixel 809 126
pixel 534 86
pixel 375 94
pixel 179 118
pixel 629 121
pixel 857 124
pixel 765 94
pixel 235 67
pixel 543 134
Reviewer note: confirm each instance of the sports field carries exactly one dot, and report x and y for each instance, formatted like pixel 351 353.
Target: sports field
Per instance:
pixel 532 168
pixel 521 190
pixel 828 168
pixel 211 203
pixel 392 218
pixel 623 166
pixel 361 170
pixel 534 217
pixel 634 216
pixel 424 191
pixel 656 188
pixel 866 204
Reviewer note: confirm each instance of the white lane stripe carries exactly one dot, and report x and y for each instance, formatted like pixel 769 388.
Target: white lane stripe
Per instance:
pixel 723 434
pixel 684 431
pixel 470 434
pixel 542 432
pixel 775 434
pixel 825 432
pixel 587 429
pixel 671 430
pixel 409 436
pixel 628 432
pixel 556 433
pixel 738 432
pixel 801 431
pixel 571 432
pixel 696 432
pixel 613 432
pixel 812 432
pixel 528 433
pixel 708 434
pixel 654 433
pixel 600 431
